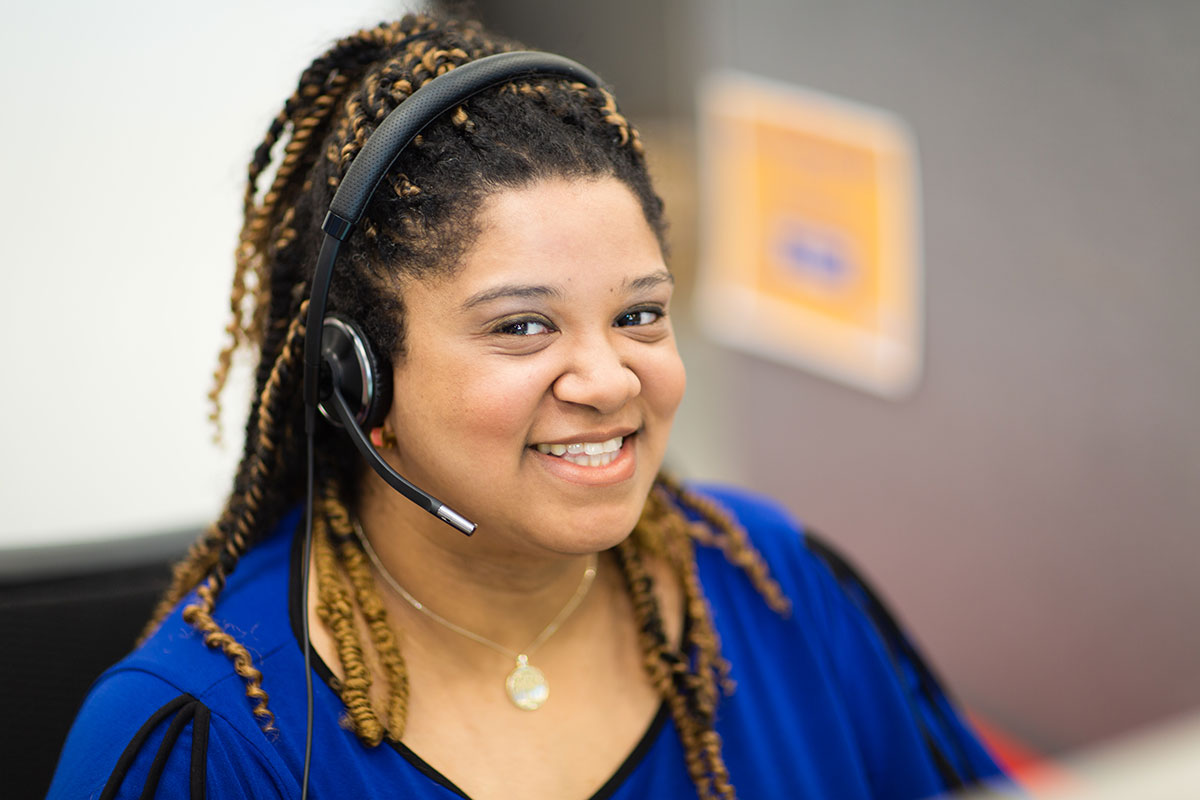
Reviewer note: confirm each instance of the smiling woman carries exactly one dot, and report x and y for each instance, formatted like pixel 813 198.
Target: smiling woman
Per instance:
pixel 605 632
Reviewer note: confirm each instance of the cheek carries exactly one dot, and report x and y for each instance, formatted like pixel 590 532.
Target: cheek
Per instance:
pixel 497 409
pixel 665 384
pixel 470 411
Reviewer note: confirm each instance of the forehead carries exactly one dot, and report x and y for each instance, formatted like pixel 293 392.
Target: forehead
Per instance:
pixel 575 235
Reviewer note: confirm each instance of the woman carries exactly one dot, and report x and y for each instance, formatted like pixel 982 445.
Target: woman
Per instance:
pixel 605 632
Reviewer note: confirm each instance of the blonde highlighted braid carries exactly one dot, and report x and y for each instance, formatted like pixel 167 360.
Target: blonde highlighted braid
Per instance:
pixel 419 223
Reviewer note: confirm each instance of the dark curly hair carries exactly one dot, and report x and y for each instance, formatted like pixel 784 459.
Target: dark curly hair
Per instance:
pixel 420 222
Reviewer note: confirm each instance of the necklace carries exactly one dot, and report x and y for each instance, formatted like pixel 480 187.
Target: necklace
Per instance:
pixel 526 684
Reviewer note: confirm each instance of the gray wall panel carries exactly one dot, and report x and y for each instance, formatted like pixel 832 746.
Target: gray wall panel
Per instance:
pixel 1032 508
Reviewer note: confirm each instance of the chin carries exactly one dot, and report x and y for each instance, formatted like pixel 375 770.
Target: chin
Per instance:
pixel 592 530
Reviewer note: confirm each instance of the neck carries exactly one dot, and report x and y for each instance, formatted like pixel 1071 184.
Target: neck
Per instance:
pixel 498 589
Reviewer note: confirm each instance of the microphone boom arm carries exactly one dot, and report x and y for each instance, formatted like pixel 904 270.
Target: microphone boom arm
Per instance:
pixel 393 478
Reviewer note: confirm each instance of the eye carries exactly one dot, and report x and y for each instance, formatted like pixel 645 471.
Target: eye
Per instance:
pixel 522 326
pixel 639 316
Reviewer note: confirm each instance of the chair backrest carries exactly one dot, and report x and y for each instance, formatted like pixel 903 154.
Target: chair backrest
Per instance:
pixel 59 632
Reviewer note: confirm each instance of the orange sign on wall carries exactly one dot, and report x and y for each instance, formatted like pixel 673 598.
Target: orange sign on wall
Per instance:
pixel 811 244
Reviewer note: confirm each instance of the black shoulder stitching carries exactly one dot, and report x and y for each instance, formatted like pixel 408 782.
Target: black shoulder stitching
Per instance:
pixel 185 709
pixel 897 644
pixel 164 749
pixel 135 744
pixel 200 751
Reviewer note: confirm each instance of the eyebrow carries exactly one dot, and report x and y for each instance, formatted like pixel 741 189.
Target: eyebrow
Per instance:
pixel 527 291
pixel 650 281
pixel 511 290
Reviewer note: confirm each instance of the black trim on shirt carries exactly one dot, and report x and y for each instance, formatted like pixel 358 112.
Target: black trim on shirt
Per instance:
pixel 610 787
pixel 635 758
pixel 427 769
pixel 165 747
pixel 200 751
pixel 185 709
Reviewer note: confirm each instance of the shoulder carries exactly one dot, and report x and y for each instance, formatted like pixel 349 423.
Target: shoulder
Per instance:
pixel 174 711
pixel 774 532
pixel 137 731
pixel 832 605
pixel 874 684
pixel 751 509
pixel 793 556
pixel 253 609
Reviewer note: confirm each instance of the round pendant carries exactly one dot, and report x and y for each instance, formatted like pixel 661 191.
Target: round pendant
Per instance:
pixel 527 686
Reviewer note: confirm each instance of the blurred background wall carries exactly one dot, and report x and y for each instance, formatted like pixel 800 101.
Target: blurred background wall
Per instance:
pixel 1031 508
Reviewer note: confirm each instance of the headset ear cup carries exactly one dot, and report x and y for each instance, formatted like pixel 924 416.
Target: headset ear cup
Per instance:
pixel 363 380
pixel 381 399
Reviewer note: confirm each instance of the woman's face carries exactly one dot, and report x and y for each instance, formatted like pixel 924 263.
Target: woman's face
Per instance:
pixel 551 338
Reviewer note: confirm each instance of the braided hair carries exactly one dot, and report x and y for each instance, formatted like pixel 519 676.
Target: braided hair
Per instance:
pixel 420 222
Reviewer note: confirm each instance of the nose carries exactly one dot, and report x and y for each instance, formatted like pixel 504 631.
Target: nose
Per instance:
pixel 597 376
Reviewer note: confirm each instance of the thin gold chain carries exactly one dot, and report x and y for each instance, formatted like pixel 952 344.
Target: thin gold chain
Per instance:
pixel 585 584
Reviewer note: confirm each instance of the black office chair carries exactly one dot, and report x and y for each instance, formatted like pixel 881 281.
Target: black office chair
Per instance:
pixel 61 626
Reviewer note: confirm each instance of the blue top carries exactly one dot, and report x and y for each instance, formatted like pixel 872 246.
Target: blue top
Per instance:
pixel 831 702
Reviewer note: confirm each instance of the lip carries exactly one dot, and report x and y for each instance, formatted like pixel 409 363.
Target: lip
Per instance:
pixel 621 468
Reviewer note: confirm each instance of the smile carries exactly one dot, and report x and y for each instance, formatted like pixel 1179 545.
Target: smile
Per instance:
pixel 585 454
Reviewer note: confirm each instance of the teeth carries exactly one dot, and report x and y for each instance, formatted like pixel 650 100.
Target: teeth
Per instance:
pixel 584 460
pixel 585 454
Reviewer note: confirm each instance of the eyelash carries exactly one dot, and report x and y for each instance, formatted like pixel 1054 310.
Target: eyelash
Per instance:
pixel 508 327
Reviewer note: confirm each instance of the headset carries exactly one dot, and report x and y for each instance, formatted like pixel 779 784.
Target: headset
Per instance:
pixel 345 381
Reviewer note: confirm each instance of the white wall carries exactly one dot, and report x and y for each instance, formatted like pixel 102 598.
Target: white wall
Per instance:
pixel 128 126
